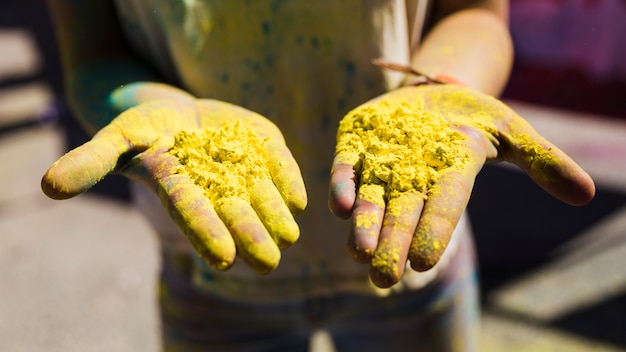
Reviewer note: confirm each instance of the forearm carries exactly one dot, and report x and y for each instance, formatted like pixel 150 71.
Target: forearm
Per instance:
pixel 96 59
pixel 89 89
pixel 473 46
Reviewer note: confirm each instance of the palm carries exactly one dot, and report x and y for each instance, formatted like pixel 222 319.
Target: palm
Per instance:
pixel 416 224
pixel 137 144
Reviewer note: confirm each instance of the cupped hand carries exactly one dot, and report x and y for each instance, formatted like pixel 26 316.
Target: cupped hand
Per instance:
pixel 138 145
pixel 410 212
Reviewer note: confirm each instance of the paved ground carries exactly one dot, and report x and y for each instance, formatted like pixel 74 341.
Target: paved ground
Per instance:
pixel 79 275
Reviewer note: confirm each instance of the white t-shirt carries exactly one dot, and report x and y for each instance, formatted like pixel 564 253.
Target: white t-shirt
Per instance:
pixel 303 65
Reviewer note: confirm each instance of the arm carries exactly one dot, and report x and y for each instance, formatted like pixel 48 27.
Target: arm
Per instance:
pixel 469 42
pixel 136 124
pixel 96 59
pixel 393 222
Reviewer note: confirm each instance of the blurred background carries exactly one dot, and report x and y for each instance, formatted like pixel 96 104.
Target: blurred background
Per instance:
pixel 80 275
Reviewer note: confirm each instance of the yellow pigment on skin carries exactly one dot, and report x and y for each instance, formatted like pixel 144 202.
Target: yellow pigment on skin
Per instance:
pixel 387 261
pixel 536 153
pixel 225 162
pixel 232 166
pixel 366 219
pixel 490 116
pixel 393 146
pixel 397 151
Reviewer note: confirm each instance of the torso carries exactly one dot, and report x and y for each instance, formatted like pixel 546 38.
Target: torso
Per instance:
pixel 303 65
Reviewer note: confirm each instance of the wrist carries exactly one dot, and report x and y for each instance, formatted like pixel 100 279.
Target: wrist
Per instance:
pixel 136 93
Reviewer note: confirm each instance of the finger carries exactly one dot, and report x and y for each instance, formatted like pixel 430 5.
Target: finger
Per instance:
pixel 547 165
pixel 367 219
pixel 401 218
pixel 254 243
pixel 447 200
pixel 286 175
pixel 443 209
pixel 342 189
pixel 283 167
pixel 192 211
pixel 274 213
pixel 83 167
pixel 133 130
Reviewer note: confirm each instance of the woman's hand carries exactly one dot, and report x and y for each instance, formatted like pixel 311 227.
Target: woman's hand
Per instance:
pixel 395 221
pixel 138 144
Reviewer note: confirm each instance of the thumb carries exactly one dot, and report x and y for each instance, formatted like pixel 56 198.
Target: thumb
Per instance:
pixel 83 167
pixel 550 167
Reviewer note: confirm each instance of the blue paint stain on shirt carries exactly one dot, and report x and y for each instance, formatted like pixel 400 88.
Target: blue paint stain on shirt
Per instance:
pixel 324 267
pixel 205 272
pixel 341 105
pixel 207 277
pixel 324 174
pixel 349 68
pixel 315 43
pixel 325 122
pixel 276 4
pixel 265 27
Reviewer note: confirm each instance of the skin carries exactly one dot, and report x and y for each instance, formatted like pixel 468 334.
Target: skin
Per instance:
pixel 136 144
pixel 469 41
pixel 417 229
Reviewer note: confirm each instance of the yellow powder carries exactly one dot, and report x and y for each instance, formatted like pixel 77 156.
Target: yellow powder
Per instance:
pixel 535 152
pixel 392 145
pixel 366 219
pixel 226 162
pixel 494 119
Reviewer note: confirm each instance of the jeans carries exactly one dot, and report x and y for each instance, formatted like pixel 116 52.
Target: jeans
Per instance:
pixel 443 316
